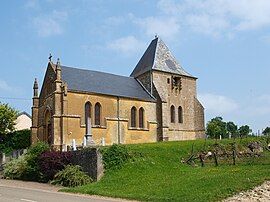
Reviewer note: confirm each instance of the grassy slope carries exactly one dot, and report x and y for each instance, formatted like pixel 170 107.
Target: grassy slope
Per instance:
pixel 160 176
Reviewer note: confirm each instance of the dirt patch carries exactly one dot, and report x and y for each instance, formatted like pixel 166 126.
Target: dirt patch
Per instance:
pixel 260 193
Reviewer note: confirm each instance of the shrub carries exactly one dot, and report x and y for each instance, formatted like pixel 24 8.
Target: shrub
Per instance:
pixel 32 155
pixel 26 167
pixel 71 176
pixel 38 148
pixel 52 162
pixel 16 140
pixel 15 169
pixel 115 156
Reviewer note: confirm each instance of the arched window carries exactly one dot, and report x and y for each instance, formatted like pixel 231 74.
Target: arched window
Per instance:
pixel 133 117
pixel 172 114
pixel 141 118
pixel 180 114
pixel 98 114
pixel 87 115
pixel 48 128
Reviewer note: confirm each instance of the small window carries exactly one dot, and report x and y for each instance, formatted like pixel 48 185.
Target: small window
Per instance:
pixel 141 117
pixel 133 117
pixel 180 114
pixel 168 80
pixel 87 112
pixel 98 114
pixel 172 114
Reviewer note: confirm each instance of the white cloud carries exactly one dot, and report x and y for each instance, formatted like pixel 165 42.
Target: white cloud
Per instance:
pixel 51 24
pixel 166 27
pixel 217 104
pixel 4 86
pixel 30 4
pixel 218 17
pixel 127 45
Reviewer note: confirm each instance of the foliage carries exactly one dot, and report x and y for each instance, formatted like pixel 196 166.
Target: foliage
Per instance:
pixel 52 162
pixel 232 129
pixel 26 167
pixel 33 170
pixel 18 139
pixel 216 127
pixel 244 131
pixel 38 148
pixel 71 176
pixel 159 175
pixel 115 156
pixel 266 131
pixel 8 116
pixel 16 168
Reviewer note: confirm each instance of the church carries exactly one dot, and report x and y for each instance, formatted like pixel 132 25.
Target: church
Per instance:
pixel 157 102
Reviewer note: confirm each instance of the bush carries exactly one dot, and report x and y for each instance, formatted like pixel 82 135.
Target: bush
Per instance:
pixel 26 167
pixel 16 140
pixel 115 156
pixel 52 162
pixel 16 168
pixel 19 139
pixel 38 148
pixel 71 176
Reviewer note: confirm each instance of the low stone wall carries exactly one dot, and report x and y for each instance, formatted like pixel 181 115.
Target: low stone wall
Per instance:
pixel 90 159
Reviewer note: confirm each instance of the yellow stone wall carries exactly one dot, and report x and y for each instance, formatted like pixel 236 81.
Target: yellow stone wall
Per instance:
pixel 74 126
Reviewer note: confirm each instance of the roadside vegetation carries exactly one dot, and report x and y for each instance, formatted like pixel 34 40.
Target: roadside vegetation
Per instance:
pixel 9 138
pixel 155 172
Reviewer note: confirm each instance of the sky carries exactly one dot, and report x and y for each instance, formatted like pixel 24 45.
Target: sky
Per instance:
pixel 225 43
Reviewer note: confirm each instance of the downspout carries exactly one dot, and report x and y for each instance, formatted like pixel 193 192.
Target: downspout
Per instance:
pixel 118 121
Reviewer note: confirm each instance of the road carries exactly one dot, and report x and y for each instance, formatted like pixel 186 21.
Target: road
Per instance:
pixel 23 194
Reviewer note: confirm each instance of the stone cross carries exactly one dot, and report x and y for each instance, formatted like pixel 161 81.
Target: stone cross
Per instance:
pixel 88 135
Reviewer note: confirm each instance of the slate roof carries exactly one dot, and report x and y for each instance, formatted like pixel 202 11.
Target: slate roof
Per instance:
pixel 104 83
pixel 158 57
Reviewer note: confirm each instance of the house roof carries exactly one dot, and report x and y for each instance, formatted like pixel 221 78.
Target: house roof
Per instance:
pixel 104 83
pixel 24 113
pixel 158 57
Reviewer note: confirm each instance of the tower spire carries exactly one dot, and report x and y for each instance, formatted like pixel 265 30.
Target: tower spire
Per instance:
pixel 35 88
pixel 58 70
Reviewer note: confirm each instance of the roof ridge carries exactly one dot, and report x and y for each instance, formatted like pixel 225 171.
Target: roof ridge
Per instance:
pixel 96 71
pixel 144 88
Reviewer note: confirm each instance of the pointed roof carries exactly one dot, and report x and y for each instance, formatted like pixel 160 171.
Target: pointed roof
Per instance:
pixel 158 57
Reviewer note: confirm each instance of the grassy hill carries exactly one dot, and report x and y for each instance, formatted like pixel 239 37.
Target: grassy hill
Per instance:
pixel 160 176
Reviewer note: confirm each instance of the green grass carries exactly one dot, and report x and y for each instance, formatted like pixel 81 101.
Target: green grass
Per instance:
pixel 160 176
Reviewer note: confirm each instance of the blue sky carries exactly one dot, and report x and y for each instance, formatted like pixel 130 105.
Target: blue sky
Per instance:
pixel 226 44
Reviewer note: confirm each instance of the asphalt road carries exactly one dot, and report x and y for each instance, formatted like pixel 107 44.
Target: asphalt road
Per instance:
pixel 16 194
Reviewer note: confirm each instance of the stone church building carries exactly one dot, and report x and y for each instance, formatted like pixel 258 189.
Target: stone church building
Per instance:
pixel 157 102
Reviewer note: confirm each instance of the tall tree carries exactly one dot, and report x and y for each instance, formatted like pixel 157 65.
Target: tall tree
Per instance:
pixel 244 131
pixel 266 131
pixel 216 127
pixel 232 129
pixel 8 116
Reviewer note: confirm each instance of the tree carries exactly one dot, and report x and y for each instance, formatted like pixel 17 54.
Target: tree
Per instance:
pixel 8 116
pixel 232 128
pixel 244 131
pixel 266 131
pixel 216 127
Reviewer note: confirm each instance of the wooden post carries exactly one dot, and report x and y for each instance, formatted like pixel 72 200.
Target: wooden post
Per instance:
pixel 201 156
pixel 215 158
pixel 234 153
